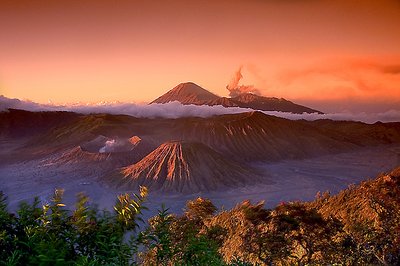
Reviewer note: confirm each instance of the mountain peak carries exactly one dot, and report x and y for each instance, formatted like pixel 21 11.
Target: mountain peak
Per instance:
pixel 187 93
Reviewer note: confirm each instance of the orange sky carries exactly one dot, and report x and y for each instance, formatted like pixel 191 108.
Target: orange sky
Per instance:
pixel 330 54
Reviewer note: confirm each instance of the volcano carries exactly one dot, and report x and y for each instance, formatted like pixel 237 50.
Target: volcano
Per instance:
pixel 186 167
pixel 190 93
pixel 187 93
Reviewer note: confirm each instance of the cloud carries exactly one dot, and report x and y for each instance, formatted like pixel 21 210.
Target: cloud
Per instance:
pixel 235 89
pixel 391 69
pixel 169 110
pixel 342 69
pixel 343 79
pixel 388 116
pixel 7 103
pixel 177 110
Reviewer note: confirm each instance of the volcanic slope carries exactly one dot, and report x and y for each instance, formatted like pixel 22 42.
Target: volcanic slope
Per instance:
pixel 184 167
pixel 242 137
pixel 256 102
pixel 190 93
pixel 360 133
pixel 255 136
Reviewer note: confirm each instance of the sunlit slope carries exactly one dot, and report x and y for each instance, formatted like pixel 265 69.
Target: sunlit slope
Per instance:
pixel 184 167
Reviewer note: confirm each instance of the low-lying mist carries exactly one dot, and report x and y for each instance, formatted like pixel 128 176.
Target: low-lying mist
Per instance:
pixel 177 110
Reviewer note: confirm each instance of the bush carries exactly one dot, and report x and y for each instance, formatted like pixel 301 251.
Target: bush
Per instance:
pixel 51 235
pixel 249 234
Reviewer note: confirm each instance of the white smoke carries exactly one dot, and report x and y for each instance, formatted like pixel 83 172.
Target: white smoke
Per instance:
pixel 177 110
pixel 235 89
pixel 108 147
pixel 119 145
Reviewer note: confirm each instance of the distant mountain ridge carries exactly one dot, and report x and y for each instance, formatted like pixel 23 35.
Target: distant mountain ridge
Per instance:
pixel 251 136
pixel 191 93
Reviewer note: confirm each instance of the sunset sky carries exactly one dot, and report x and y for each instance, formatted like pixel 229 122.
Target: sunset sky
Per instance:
pixel 333 55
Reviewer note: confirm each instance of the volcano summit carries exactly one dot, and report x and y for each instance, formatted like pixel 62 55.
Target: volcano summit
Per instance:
pixel 185 167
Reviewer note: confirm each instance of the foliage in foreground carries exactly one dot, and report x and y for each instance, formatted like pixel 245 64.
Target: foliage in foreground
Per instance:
pixel 359 226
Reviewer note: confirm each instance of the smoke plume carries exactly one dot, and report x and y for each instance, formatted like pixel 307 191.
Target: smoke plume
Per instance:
pixel 108 147
pixel 235 89
pixel 119 145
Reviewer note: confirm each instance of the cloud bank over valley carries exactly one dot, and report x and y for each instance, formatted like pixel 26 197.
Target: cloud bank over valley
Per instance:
pixel 177 110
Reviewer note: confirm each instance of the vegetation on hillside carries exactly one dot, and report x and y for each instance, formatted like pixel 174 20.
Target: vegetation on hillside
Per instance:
pixel 359 226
